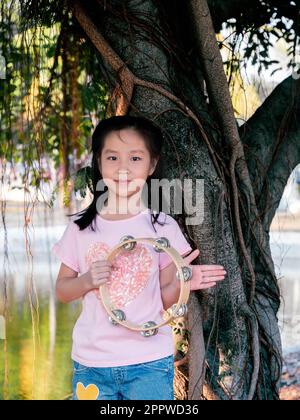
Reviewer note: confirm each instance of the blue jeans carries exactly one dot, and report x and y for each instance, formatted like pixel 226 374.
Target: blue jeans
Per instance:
pixel 144 381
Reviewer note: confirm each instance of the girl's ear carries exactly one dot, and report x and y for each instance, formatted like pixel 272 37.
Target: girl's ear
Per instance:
pixel 154 163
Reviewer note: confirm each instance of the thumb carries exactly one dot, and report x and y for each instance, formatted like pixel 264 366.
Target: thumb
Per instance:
pixel 192 256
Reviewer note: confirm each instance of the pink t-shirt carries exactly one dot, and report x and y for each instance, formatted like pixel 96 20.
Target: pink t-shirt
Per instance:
pixel 133 287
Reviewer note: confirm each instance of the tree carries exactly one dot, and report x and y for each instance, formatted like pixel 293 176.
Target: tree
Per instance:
pixel 161 59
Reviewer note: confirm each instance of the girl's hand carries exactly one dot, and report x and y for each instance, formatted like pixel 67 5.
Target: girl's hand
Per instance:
pixel 204 276
pixel 99 273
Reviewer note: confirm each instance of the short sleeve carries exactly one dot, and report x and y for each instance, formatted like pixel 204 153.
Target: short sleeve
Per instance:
pixel 66 248
pixel 177 240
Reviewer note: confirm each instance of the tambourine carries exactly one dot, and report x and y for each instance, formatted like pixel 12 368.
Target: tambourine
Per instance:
pixel 183 274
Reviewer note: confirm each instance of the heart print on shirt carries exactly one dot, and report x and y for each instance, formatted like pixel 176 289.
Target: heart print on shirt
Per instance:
pixel 130 271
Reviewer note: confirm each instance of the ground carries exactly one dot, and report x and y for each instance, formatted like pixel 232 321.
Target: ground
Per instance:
pixel 290 380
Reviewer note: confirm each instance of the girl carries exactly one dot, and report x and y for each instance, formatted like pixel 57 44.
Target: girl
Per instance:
pixel 112 362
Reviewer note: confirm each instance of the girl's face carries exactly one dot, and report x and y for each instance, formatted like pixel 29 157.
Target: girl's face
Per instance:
pixel 125 162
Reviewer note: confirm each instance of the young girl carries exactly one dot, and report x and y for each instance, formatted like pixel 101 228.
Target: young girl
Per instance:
pixel 112 362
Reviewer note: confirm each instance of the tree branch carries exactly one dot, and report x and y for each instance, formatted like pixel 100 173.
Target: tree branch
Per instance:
pixel 219 94
pixel 271 138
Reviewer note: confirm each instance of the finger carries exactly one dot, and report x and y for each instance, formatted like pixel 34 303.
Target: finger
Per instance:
pixel 213 278
pixel 102 267
pixel 102 262
pixel 102 275
pixel 209 285
pixel 98 276
pixel 213 273
pixel 192 256
pixel 206 267
pixel 100 258
pixel 100 282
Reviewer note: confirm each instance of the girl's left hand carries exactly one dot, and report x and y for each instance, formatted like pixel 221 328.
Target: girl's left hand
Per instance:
pixel 204 276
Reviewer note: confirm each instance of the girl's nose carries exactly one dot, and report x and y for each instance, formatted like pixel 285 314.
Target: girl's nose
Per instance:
pixel 122 174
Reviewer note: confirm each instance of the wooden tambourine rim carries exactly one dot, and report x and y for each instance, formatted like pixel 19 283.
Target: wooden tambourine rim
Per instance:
pixel 184 285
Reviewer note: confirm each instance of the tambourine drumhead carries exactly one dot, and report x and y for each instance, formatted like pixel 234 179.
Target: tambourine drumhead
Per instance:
pixel 184 274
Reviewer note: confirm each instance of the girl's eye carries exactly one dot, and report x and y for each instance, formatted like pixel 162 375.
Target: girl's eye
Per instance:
pixel 115 157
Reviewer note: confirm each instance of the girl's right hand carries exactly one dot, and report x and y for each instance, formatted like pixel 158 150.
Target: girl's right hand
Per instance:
pixel 99 273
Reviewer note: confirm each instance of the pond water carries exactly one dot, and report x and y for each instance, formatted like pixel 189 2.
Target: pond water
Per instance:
pixel 36 363
pixel 285 248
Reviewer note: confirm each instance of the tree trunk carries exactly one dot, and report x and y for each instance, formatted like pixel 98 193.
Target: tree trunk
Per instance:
pixel 154 67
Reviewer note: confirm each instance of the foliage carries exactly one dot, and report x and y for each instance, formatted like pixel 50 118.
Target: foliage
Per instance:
pixel 54 91
pixel 51 96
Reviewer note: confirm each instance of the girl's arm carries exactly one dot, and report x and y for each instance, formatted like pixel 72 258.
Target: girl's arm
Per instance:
pixel 169 285
pixel 71 287
pixel 204 277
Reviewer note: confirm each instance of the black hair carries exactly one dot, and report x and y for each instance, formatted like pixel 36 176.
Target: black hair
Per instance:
pixel 153 138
